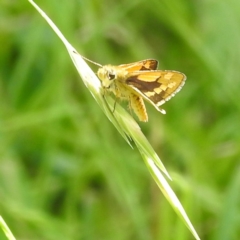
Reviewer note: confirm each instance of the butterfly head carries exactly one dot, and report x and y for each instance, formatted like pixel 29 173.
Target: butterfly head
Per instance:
pixel 107 74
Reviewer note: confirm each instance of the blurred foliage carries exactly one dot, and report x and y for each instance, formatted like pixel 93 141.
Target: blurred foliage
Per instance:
pixel 65 172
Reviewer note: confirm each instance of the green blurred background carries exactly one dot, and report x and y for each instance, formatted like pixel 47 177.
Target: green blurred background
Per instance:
pixel 66 173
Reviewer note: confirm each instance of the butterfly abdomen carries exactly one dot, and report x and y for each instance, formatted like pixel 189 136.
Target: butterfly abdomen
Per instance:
pixel 137 104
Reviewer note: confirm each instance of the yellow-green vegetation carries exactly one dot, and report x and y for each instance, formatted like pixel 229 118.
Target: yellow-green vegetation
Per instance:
pixel 65 171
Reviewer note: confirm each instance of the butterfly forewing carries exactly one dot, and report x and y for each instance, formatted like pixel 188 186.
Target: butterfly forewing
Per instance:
pixel 148 64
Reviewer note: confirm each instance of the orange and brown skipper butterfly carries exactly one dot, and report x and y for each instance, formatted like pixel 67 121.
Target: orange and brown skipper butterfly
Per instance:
pixel 140 81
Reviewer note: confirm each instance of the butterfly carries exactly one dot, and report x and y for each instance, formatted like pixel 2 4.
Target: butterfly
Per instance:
pixel 139 81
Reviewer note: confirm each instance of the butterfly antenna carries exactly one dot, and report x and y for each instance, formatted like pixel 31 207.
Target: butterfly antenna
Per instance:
pixel 91 61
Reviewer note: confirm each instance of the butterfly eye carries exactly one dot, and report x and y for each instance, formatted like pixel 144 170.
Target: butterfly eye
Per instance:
pixel 111 76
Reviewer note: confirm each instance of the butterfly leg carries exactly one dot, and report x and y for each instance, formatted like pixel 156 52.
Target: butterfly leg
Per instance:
pixel 115 104
pixel 117 96
pixel 130 106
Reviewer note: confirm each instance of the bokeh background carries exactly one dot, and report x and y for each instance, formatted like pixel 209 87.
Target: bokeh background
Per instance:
pixel 66 173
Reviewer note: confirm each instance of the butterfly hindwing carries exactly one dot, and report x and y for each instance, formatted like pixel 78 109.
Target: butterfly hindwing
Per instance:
pixel 156 86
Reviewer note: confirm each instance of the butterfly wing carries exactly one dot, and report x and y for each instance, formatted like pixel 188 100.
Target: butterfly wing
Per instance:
pixel 148 64
pixel 156 87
